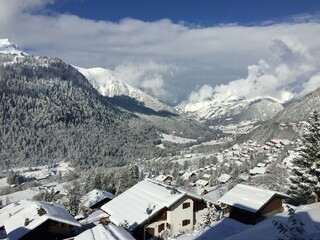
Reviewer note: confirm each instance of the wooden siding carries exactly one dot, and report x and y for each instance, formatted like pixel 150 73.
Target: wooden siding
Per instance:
pixel 273 206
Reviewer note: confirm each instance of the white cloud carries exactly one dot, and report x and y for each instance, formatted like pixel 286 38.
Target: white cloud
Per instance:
pixel 148 75
pixel 281 78
pixel 312 84
pixel 203 94
pixel 168 59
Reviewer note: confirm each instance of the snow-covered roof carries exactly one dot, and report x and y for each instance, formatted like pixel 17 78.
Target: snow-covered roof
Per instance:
pixel 10 210
pixel 93 217
pixel 140 202
pixel 15 225
pixel 207 176
pixel 215 195
pixel 161 178
pixel 94 197
pixel 248 197
pixel 18 196
pixel 201 182
pixel 224 178
pixel 261 164
pixel 102 232
pixel 258 170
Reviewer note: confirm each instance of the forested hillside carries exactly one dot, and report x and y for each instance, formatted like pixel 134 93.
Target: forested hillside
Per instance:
pixel 50 112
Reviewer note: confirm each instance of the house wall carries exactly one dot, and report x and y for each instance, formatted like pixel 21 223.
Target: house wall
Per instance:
pixel 273 207
pixel 177 214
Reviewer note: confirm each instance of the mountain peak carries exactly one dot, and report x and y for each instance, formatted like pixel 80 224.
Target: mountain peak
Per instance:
pixel 7 46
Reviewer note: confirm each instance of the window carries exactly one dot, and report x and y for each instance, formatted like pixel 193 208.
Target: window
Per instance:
pixel 186 205
pixel 160 227
pixel 186 222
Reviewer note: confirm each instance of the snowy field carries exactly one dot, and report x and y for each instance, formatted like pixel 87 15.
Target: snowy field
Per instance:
pixel 176 139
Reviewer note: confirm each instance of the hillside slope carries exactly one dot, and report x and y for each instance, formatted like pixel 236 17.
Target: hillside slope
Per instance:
pixel 50 112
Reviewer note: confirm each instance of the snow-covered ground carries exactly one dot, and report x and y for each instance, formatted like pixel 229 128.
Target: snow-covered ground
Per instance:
pixel 176 139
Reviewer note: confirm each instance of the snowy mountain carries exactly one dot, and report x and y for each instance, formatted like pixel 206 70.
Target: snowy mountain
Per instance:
pixel 108 84
pixel 231 110
pixel 6 46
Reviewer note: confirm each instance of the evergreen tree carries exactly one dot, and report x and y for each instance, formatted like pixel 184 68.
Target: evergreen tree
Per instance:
pixel 305 186
pixel 73 198
pixel 128 178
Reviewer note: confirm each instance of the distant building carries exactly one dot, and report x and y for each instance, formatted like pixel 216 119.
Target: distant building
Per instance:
pixel 150 207
pixel 202 183
pixel 249 205
pixel 38 220
pixel 95 199
pixel 164 178
pixel 224 178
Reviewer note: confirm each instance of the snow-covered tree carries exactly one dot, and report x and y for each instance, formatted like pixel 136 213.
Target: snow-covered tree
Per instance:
pixel 305 186
pixel 128 178
pixel 73 198
pixel 210 215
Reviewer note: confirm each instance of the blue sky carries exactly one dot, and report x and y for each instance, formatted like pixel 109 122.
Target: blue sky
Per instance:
pixel 179 50
pixel 198 12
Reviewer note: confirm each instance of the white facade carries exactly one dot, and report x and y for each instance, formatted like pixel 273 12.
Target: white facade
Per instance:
pixel 181 218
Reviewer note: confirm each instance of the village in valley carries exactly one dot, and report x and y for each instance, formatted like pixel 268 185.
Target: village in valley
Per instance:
pixel 159 120
pixel 191 195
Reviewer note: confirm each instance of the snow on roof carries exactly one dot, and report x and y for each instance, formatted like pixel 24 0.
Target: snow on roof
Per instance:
pixel 10 210
pixel 249 198
pixel 94 217
pixel 224 178
pixel 161 178
pixel 213 196
pixel 15 225
pixel 18 196
pixel 206 176
pixel 258 170
pixel 102 232
pixel 261 164
pixel 201 182
pixel 94 197
pixel 141 201
pixel 39 174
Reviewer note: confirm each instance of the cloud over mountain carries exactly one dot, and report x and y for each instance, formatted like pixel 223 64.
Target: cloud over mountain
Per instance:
pixel 170 60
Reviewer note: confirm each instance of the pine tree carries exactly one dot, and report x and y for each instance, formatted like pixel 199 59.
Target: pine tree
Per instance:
pixel 305 182
pixel 73 198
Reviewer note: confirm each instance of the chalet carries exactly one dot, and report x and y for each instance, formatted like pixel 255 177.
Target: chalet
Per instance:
pixel 258 170
pixel 95 199
pixel 39 220
pixel 224 178
pixel 164 178
pixel 249 205
pixel 102 232
pixel 201 183
pixel 149 208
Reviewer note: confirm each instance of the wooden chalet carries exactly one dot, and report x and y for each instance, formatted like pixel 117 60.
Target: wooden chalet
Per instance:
pixel 249 205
